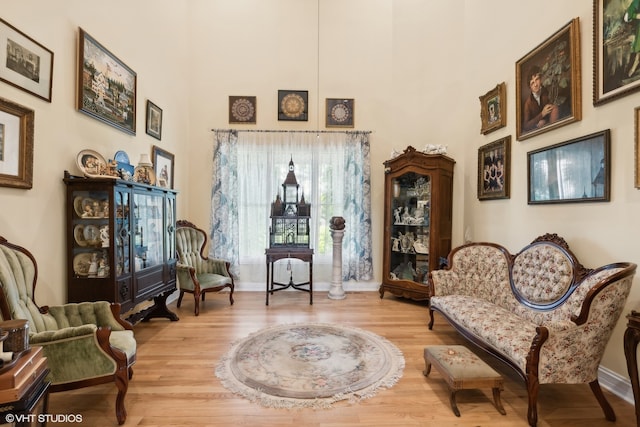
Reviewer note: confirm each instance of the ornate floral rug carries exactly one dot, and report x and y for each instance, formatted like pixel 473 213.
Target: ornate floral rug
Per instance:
pixel 310 365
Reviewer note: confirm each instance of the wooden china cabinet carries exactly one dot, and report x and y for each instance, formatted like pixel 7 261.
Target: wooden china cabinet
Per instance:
pixel 418 204
pixel 121 244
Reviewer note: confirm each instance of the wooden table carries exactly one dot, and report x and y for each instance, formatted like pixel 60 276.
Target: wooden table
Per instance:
pixel 275 254
pixel 462 369
pixel 631 339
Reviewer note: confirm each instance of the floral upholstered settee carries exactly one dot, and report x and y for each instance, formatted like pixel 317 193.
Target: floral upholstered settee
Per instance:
pixel 540 311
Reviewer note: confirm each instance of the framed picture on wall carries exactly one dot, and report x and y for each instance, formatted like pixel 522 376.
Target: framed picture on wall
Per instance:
pixel 154 120
pixel 16 145
pixel 106 85
pixel 25 63
pixel 578 170
pixel 293 105
pixel 548 83
pixel 616 49
pixel 637 145
pixel 494 169
pixel 243 109
pixel 493 109
pixel 340 113
pixel 163 167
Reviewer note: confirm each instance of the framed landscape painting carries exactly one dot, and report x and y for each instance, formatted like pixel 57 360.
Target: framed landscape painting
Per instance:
pixel 25 63
pixel 616 49
pixel 548 84
pixel 106 85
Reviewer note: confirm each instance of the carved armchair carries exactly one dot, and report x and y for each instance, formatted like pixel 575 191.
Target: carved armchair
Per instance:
pixel 197 274
pixel 85 344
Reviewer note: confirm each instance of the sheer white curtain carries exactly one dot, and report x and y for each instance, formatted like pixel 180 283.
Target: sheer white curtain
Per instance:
pixel 332 169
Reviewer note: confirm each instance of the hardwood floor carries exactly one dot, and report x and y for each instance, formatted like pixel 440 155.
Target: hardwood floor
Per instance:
pixel 174 382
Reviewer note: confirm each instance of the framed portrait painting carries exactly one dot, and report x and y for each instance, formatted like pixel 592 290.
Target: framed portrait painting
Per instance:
pixel 578 170
pixel 163 167
pixel 154 120
pixel 16 145
pixel 106 85
pixel 548 84
pixel 25 63
pixel 616 49
pixel 493 109
pixel 494 170
pixel 293 105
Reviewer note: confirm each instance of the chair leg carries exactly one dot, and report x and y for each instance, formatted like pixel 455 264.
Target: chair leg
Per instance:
pixel 609 414
pixel 122 383
pixel 180 298
pixel 196 303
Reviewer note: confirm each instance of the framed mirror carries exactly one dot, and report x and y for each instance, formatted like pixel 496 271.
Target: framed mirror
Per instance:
pixel 573 171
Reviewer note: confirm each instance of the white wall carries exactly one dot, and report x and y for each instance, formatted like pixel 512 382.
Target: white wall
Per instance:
pixel 414 67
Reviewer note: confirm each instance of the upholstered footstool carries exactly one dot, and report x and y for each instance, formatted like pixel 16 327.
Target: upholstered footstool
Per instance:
pixel 462 370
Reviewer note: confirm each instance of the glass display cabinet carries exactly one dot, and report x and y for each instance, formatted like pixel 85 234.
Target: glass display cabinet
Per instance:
pixel 121 244
pixel 417 221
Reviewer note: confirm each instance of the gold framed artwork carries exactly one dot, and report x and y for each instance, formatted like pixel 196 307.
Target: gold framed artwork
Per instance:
pixel 97 67
pixel 493 109
pixel 25 63
pixel 548 84
pixel 494 170
pixel 293 105
pixel 616 49
pixel 637 146
pixel 243 109
pixel 340 113
pixel 16 145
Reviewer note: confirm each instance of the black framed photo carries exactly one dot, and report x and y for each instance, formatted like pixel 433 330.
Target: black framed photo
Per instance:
pixel 25 63
pixel 293 105
pixel 494 170
pixel 154 120
pixel 548 84
pixel 340 112
pixel 16 145
pixel 163 167
pixel 243 109
pixel 106 85
pixel 578 170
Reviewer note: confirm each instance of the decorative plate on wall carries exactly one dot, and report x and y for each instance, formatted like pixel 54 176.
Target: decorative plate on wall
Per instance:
pixel 242 109
pixel 292 105
pixel 340 112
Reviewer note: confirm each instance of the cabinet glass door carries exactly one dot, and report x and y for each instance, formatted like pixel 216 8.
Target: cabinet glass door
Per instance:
pixel 411 209
pixel 171 228
pixel 148 229
pixel 90 240
pixel 122 224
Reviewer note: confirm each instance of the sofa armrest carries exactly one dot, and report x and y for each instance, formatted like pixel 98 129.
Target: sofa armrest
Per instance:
pixel 42 338
pixel 444 282
pixel 216 266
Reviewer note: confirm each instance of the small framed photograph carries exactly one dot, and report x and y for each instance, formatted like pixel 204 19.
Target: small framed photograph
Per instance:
pixel 493 109
pixel 154 120
pixel 113 104
pixel 16 145
pixel 25 63
pixel 242 109
pixel 340 113
pixel 548 83
pixel 573 171
pixel 616 59
pixel 494 170
pixel 163 167
pixel 293 105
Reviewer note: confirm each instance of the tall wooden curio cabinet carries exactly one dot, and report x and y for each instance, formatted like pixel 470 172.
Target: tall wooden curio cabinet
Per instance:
pixel 417 221
pixel 121 244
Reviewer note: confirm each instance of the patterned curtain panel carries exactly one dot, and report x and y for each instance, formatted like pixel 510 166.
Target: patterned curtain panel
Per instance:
pixel 333 171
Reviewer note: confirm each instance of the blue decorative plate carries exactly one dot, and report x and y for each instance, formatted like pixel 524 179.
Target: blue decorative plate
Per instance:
pixel 121 157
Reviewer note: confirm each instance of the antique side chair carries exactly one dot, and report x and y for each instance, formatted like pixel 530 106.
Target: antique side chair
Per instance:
pixel 198 274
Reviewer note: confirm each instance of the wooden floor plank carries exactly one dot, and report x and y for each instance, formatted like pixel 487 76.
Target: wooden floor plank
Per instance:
pixel 174 383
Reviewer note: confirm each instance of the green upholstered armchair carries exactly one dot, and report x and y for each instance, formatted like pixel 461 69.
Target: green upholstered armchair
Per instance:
pixel 197 274
pixel 85 344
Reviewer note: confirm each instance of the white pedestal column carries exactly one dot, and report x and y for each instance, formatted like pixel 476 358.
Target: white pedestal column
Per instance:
pixel 337 233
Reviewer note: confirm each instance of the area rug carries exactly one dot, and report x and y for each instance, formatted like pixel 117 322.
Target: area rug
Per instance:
pixel 310 365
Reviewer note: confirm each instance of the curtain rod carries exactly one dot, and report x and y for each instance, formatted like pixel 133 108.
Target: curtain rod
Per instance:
pixel 291 131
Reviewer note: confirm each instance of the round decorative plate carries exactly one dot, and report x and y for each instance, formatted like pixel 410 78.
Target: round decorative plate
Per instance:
pixel 91 163
pixel 121 156
pixel 91 234
pixel 340 113
pixel 242 110
pixel 292 105
pixel 78 235
pixel 77 205
pixel 81 264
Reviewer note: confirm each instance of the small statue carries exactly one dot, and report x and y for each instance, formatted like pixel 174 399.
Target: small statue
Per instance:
pixel 104 236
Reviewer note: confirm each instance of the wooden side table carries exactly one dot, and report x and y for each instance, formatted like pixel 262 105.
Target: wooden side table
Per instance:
pixel 275 254
pixel 631 340
pixel 24 390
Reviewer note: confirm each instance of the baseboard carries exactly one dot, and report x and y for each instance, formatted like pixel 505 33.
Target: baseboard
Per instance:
pixel 616 384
